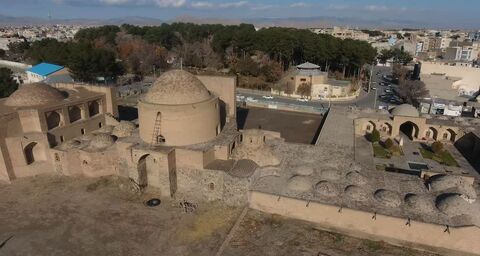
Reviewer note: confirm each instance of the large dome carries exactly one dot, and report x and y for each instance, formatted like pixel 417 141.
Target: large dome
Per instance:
pixel 177 87
pixel 405 110
pixel 35 94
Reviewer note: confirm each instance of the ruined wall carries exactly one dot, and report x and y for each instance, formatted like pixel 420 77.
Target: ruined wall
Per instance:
pixel 459 241
pixel 236 190
pixel 199 185
pixel 224 88
pixel 16 150
pixel 110 94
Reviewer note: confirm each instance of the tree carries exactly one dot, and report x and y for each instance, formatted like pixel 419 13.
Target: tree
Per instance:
pixel 389 143
pixel 2 53
pixel 138 56
pixel 304 89
pixel 272 71
pixel 411 91
pixel 7 84
pixel 399 72
pixel 18 47
pixel 374 136
pixel 397 56
pixel 247 67
pixel 87 63
pixel 437 147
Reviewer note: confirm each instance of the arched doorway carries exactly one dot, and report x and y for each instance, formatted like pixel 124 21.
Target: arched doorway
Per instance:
pixel 53 119
pixel 449 134
pixel 93 108
pixel 370 126
pixel 431 133
pixel 33 153
pixel 410 129
pixel 74 113
pixel 142 168
pixel 387 128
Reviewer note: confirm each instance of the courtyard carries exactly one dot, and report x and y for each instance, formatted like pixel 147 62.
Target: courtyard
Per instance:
pixel 416 156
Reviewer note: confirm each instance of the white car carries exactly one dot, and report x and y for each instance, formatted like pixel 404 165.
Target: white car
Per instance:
pixel 303 99
pixel 250 99
pixel 268 97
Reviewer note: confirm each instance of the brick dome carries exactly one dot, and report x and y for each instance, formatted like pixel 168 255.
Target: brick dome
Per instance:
pixel 35 94
pixel 177 87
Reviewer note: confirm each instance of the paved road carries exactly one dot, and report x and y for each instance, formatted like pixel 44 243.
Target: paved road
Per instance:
pixel 366 99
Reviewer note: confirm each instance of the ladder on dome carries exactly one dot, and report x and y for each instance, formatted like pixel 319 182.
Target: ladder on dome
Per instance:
pixel 156 131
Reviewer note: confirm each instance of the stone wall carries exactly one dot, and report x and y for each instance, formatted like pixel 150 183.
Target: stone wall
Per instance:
pixel 455 241
pixel 199 185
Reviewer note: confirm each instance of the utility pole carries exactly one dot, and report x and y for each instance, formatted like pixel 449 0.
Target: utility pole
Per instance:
pixel 375 101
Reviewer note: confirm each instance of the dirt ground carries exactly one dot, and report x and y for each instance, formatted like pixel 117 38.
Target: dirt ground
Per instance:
pixel 54 215
pixel 57 215
pixel 300 128
pixel 266 234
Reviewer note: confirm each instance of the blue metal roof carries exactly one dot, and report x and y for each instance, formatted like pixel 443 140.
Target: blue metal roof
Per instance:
pixel 45 69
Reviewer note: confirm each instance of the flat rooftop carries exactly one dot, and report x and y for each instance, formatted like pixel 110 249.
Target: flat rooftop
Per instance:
pixel 440 87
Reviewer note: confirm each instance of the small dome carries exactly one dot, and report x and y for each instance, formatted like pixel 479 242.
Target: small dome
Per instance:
pixel 102 140
pixel 299 183
pixel 124 129
pixel 326 188
pixel 405 110
pixel 387 198
pixel 35 94
pixel 443 182
pixel 454 205
pixel 356 178
pixel 420 203
pixel 356 193
pixel 177 87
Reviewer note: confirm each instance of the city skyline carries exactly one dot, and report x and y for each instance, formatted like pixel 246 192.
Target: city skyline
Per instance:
pixel 431 14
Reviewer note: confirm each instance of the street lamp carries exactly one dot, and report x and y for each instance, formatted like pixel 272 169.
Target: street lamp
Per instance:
pixel 375 101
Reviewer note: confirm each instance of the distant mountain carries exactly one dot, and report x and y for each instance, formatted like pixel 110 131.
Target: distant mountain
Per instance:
pixel 298 22
pixel 9 20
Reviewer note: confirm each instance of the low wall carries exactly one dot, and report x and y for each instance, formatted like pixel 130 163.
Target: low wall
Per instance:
pixel 345 98
pixel 419 235
pixel 287 107
pixel 13 64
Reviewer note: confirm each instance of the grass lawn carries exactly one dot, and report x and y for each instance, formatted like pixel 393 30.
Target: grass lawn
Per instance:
pixel 380 152
pixel 443 157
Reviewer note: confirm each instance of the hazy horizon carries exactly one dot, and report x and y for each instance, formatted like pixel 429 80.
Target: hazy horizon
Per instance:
pixel 387 13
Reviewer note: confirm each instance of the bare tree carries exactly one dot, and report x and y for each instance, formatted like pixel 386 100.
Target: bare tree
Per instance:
pixel 412 90
pixel 399 72
pixel 305 89
pixel 139 56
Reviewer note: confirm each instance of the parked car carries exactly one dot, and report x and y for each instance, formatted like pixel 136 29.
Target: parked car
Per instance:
pixel 303 99
pixel 267 97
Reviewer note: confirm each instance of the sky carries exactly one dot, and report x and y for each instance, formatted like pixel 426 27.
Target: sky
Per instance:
pixel 461 13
